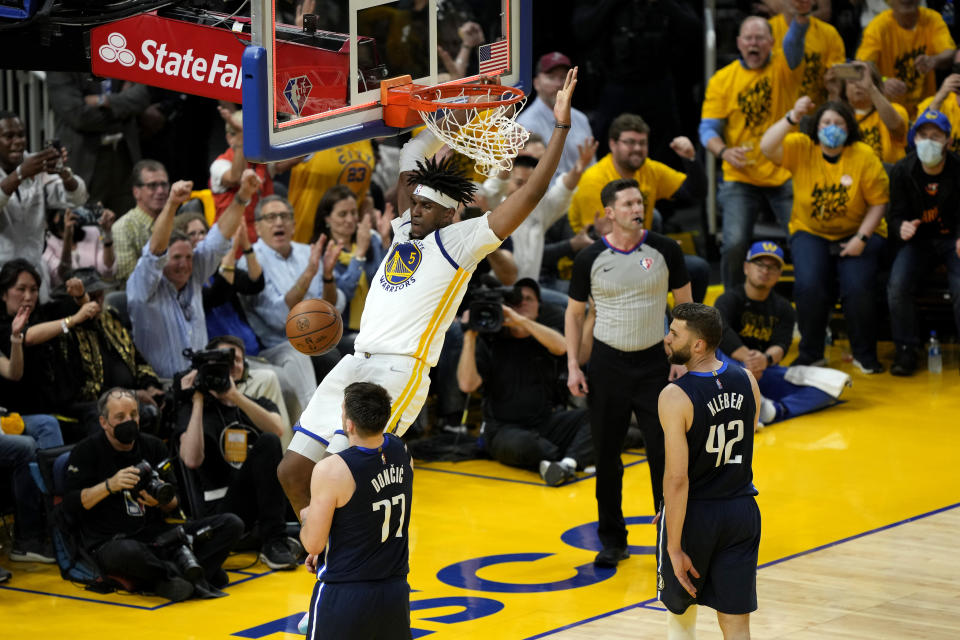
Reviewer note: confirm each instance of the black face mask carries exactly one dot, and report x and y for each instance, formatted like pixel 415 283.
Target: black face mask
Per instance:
pixel 126 432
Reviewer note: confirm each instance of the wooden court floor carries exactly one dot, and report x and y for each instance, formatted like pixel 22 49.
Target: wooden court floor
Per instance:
pixel 860 507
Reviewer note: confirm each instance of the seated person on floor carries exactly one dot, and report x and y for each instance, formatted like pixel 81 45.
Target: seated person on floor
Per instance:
pixel 519 369
pixel 121 507
pixel 758 328
pixel 233 440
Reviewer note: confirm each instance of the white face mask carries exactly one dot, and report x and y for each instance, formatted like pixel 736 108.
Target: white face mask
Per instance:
pixel 930 152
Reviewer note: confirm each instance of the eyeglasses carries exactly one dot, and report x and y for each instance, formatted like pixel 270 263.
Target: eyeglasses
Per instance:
pixel 270 218
pixel 763 265
pixel 631 142
pixel 153 186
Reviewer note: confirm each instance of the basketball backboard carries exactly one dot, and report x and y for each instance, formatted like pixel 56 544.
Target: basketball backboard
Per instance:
pixel 312 88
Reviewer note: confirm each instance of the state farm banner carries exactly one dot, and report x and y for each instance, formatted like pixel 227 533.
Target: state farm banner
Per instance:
pixel 207 61
pixel 171 54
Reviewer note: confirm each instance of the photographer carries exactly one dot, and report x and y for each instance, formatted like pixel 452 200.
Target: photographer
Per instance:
pixel 121 504
pixel 76 239
pixel 518 368
pixel 233 440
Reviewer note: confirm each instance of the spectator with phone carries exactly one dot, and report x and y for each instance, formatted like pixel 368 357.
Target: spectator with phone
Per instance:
pixel 78 239
pixel 883 124
pixel 836 225
pixel 28 181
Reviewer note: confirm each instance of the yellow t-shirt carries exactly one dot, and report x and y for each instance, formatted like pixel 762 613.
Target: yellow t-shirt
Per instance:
pixel 951 109
pixel 351 165
pixel 894 49
pixel 830 199
pixel 750 100
pixel 822 48
pixel 874 133
pixel 656 181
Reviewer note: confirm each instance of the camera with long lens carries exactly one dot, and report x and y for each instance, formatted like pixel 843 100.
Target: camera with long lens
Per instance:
pixel 151 482
pixel 213 368
pixel 486 307
pixel 178 547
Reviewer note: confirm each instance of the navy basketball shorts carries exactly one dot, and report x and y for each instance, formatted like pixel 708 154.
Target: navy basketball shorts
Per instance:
pixel 360 611
pixel 722 538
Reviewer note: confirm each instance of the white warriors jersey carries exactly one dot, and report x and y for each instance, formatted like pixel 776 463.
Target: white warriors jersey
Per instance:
pixel 418 288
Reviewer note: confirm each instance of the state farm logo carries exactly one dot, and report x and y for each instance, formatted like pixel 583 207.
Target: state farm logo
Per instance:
pixel 116 50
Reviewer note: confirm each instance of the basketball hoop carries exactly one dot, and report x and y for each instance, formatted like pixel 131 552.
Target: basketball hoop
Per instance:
pixel 478 120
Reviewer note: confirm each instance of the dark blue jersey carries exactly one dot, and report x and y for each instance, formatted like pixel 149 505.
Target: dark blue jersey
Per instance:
pixel 368 536
pixel 721 436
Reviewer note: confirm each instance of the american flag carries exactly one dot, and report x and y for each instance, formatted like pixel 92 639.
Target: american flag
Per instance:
pixel 493 57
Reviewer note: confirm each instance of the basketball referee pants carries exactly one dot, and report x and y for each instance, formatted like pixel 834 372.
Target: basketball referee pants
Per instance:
pixel 621 382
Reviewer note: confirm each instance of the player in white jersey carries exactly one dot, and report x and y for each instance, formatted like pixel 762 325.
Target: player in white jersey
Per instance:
pixel 415 293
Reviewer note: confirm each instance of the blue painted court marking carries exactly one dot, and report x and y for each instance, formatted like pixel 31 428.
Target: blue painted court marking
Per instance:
pixel 250 576
pixel 581 478
pixel 646 603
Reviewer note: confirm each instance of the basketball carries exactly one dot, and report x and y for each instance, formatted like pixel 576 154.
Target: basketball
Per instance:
pixel 314 327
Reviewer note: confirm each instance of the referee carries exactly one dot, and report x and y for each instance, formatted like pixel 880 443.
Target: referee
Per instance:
pixel 628 273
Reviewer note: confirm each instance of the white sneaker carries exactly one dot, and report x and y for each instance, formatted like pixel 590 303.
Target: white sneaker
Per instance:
pixel 768 410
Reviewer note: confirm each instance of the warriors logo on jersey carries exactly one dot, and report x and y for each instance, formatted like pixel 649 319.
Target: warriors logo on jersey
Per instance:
pixel 401 264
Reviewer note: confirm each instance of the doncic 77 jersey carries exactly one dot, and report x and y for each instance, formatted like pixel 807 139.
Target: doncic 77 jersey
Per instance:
pixel 419 286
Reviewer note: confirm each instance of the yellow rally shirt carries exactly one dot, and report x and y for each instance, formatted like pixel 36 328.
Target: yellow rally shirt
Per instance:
pixel 656 181
pixel 350 165
pixel 894 50
pixel 951 109
pixel 750 100
pixel 823 48
pixel 830 199
pixel 874 133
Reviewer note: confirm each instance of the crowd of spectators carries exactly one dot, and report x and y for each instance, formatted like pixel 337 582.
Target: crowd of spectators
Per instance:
pixel 112 275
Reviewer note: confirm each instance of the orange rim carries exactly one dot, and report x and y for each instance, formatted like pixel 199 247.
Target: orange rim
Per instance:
pixel 430 98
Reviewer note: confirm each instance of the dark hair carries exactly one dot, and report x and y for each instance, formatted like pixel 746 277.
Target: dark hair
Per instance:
pixel 113 393
pixel 145 165
pixel 227 339
pixel 702 320
pixel 526 162
pixel 11 271
pixel 608 195
pixel 267 200
pixel 446 176
pixel 534 139
pixel 810 125
pixel 178 236
pixel 367 405
pixel 334 194
pixel 627 122
pixel 9 115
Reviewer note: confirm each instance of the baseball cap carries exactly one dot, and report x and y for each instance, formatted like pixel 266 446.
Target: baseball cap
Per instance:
pixel 936 118
pixel 553 60
pixel 527 282
pixel 765 248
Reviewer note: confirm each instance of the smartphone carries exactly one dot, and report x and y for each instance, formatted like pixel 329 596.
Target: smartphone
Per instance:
pixel 55 144
pixel 847 71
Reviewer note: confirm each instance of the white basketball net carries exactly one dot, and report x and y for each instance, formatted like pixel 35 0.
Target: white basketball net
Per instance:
pixel 490 137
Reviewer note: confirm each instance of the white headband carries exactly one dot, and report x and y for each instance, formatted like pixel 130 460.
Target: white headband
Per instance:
pixel 432 194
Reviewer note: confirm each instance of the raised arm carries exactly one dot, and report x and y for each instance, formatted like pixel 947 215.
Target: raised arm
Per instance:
pixel 771 144
pixel 511 212
pixel 233 215
pixel 163 225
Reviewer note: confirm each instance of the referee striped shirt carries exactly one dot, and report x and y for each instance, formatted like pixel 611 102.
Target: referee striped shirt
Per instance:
pixel 629 288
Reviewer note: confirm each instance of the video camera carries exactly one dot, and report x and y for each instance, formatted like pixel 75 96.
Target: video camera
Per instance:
pixel 151 482
pixel 179 546
pixel 88 216
pixel 486 307
pixel 213 368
